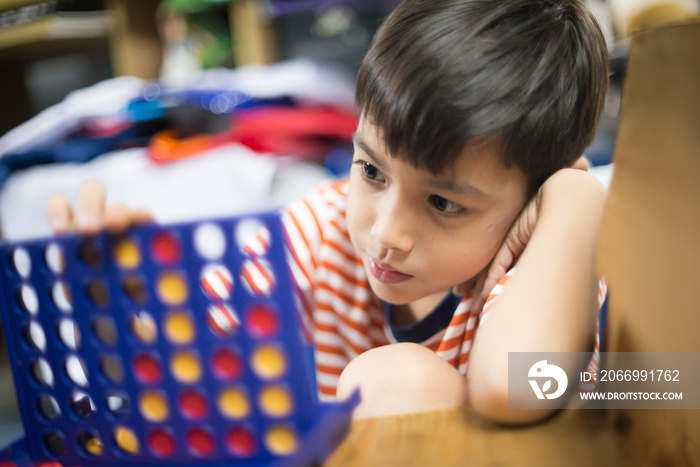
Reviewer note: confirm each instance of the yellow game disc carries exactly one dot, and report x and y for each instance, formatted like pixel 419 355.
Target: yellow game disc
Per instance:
pixel 185 367
pixel 126 440
pixel 233 403
pixel 179 327
pixel 90 443
pixel 275 401
pixel 172 288
pixel 268 362
pixel 94 446
pixel 281 439
pixel 154 406
pixel 127 254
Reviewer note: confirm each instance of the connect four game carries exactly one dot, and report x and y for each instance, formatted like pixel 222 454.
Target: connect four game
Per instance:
pixel 165 345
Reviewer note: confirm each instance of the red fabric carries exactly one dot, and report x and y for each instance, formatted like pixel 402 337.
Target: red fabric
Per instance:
pixel 304 132
pixel 307 132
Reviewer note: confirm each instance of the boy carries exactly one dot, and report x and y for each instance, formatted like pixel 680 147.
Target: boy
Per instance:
pixel 472 114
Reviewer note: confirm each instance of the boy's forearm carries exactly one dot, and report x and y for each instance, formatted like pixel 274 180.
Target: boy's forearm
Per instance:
pixel 550 304
pixel 555 284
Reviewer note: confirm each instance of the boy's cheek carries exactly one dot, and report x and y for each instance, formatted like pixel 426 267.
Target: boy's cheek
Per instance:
pixel 468 265
pixel 479 258
pixel 359 212
pixel 351 217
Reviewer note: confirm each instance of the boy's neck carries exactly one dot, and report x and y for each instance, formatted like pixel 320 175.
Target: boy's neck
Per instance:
pixel 406 315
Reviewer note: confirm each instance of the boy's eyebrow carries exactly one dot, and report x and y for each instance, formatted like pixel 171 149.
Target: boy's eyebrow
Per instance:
pixel 357 139
pixel 447 185
pixel 457 187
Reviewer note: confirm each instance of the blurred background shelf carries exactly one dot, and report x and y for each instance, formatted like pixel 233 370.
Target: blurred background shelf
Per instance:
pixel 43 59
pixel 55 27
pixel 111 38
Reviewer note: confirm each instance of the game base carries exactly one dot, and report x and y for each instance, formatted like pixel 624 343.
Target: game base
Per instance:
pixel 317 444
pixel 165 345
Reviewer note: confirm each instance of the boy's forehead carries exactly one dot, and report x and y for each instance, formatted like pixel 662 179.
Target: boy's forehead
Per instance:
pixel 478 170
pixel 369 137
pixel 369 134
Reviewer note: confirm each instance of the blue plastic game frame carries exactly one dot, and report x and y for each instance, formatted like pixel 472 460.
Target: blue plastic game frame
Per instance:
pixel 308 430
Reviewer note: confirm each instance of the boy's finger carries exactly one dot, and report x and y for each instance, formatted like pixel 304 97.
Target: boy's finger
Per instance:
pixel 581 164
pixel 60 213
pixel 141 216
pixel 460 290
pixel 477 304
pixel 117 217
pixel 477 300
pixel 501 262
pixel 91 206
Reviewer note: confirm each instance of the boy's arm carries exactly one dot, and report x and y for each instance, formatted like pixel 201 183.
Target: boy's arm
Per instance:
pixel 551 302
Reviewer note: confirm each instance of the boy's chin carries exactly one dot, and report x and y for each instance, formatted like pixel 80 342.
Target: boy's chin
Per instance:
pixel 391 294
pixel 401 294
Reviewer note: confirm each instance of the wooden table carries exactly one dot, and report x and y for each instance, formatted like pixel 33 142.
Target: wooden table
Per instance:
pixel 459 437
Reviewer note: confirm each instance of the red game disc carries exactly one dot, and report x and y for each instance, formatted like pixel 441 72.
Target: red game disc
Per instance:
pixel 240 441
pixel 147 368
pixel 200 441
pixel 161 442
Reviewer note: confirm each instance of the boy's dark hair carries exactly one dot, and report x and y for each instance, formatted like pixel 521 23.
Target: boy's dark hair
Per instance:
pixel 530 74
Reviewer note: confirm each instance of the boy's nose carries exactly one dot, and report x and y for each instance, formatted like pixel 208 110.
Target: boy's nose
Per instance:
pixel 392 227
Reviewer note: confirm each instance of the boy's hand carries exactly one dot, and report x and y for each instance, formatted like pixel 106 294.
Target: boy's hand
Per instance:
pixel 510 250
pixel 512 247
pixel 91 214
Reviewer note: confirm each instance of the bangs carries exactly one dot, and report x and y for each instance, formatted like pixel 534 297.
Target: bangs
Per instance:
pixel 411 123
pixel 411 107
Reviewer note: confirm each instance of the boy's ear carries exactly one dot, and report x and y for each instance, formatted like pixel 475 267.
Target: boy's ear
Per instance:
pixel 581 164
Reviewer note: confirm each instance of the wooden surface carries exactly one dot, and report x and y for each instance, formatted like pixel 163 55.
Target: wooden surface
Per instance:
pixel 459 437
pixel 27 41
pixel 12 4
pixel 136 47
pixel 130 26
pixel 252 33
pixel 649 250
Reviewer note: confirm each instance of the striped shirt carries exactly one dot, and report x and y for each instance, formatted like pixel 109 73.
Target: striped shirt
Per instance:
pixel 340 314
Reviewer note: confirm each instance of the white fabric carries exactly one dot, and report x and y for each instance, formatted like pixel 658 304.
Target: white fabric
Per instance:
pixel 105 98
pixel 309 82
pixel 221 182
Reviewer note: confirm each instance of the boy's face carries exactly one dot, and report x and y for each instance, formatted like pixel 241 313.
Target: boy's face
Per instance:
pixel 418 234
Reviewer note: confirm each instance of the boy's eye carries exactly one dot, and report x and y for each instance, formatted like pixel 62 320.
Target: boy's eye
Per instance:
pixel 370 171
pixel 444 205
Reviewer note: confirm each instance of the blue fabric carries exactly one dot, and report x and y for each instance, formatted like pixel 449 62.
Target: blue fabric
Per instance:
pixel 81 149
pixel 216 101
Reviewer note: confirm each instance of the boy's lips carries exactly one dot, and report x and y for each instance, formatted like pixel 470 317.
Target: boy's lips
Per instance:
pixel 385 273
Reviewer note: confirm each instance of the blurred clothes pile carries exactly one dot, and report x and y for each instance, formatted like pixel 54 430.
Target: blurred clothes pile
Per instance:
pixel 223 143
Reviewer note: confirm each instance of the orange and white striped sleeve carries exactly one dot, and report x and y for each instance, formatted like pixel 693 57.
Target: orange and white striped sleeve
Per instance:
pixel 303 222
pixel 503 283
